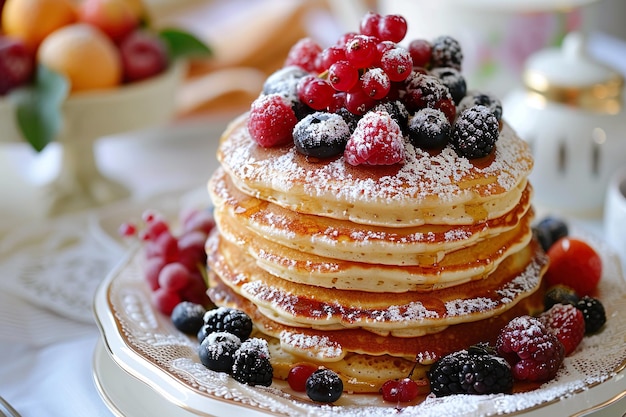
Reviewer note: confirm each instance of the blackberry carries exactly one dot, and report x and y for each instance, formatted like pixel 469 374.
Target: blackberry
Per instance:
pixel 454 80
pixel 188 317
pixel 475 132
pixel 423 90
pixel 593 312
pixel 324 386
pixel 217 350
pixel 224 319
pixel 284 82
pixel 446 52
pixel 559 294
pixel 321 135
pixel 429 129
pixel 474 98
pixel 474 371
pixel 397 111
pixel 350 118
pixel 549 230
pixel 251 363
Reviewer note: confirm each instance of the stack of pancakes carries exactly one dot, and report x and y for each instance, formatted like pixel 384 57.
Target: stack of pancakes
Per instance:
pixel 367 270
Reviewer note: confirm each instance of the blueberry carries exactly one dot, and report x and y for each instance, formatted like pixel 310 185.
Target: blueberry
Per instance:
pixel 321 135
pixel 217 351
pixel 324 386
pixel 549 230
pixel 188 317
pixel 429 129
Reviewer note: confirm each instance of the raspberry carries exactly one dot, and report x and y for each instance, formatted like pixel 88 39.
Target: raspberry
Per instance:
pixel 567 323
pixel 533 352
pixel 424 90
pixel 224 319
pixel 475 132
pixel 474 98
pixel 251 363
pixel 397 111
pixel 187 317
pixel 377 140
pixel 474 371
pixel 217 351
pixel 593 313
pixel 446 52
pixel 575 264
pixel 324 386
pixel 429 129
pixel 321 135
pixel 304 54
pixel 271 120
pixel 549 230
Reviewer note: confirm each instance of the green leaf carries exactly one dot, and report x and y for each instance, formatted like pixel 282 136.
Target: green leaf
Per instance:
pixel 183 44
pixel 38 108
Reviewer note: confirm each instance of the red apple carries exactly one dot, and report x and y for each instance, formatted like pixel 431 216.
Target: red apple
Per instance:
pixel 144 55
pixel 116 18
pixel 16 64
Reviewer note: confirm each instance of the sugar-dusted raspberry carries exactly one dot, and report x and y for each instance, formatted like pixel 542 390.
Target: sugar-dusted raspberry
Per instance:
pixel 377 140
pixel 304 54
pixel 446 52
pixel 271 120
pixel 534 353
pixel 567 323
pixel 475 132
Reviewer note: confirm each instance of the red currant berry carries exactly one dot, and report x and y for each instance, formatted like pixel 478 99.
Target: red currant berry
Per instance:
pixel 338 102
pixel 343 76
pixel 397 63
pixel 345 38
pixel 152 270
pixel 375 83
pixel 173 277
pixel 315 92
pixel 303 54
pixel 420 50
pixel 392 28
pixel 271 120
pixel 383 47
pixel 389 390
pixel 127 229
pixel 359 102
pixel 329 56
pixel 165 300
pixel 298 374
pixel 448 108
pixel 361 51
pixel 369 24
pixel 404 390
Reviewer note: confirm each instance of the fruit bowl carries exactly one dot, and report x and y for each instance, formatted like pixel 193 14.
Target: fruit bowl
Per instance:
pixel 87 116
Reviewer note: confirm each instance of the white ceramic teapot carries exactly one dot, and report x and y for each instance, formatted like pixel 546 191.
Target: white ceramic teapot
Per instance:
pixel 570 112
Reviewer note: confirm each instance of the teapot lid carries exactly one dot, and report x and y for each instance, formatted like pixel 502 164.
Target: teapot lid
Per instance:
pixel 567 75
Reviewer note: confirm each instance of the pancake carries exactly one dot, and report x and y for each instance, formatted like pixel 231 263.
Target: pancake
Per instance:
pixel 403 314
pixel 444 188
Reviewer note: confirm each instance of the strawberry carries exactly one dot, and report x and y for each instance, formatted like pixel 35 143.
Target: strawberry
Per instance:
pixel 575 264
pixel 377 140
pixel 567 323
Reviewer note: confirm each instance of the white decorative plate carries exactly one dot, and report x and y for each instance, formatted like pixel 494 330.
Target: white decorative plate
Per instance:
pixel 147 346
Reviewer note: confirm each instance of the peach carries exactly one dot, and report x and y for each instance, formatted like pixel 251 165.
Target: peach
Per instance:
pixel 116 18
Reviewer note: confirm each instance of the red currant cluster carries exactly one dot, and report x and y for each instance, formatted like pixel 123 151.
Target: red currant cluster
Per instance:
pixel 361 68
pixel 175 265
